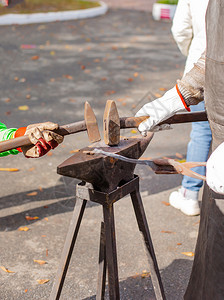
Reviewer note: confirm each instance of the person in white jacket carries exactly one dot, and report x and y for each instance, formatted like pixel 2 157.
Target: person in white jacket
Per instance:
pixel 189 33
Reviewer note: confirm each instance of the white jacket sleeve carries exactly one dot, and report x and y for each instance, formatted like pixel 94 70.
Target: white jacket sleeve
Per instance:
pixel 182 26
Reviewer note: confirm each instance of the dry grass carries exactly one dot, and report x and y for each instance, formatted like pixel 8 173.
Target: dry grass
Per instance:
pixel 35 6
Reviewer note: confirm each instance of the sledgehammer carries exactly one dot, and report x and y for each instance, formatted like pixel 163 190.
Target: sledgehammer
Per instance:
pixel 89 124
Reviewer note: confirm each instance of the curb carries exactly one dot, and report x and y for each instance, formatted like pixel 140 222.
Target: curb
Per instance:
pixel 13 19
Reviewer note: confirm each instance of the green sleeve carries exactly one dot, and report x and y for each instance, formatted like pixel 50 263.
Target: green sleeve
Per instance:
pixel 5 134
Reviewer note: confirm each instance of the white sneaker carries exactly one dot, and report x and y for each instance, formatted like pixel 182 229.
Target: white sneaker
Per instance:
pixel 189 207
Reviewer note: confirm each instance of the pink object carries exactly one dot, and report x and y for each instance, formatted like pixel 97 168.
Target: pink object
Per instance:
pixel 4 2
pixel 163 11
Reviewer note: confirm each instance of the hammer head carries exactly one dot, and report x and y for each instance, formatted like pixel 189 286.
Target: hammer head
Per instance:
pixel 111 124
pixel 91 124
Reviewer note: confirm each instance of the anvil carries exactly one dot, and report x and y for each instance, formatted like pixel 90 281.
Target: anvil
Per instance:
pixel 105 173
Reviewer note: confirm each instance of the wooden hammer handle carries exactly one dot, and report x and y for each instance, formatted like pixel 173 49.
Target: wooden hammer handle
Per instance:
pixel 25 141
pixel 133 122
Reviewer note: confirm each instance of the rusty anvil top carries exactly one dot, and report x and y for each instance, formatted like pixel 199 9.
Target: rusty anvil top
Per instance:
pixel 105 173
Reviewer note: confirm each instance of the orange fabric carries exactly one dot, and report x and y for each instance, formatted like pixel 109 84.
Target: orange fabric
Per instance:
pixel 182 99
pixel 20 132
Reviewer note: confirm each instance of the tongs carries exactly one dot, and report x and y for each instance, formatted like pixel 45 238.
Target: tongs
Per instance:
pixel 161 166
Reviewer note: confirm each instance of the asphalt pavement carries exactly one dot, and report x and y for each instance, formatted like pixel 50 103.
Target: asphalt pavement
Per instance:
pixel 48 71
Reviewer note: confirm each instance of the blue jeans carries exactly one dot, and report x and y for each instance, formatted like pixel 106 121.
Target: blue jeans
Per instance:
pixel 197 149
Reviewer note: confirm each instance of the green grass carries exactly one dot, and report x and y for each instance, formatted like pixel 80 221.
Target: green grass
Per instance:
pixel 36 6
pixel 167 1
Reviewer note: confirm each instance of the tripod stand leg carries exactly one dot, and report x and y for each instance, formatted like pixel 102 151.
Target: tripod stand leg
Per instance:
pixel 68 248
pixel 111 252
pixel 143 227
pixel 102 266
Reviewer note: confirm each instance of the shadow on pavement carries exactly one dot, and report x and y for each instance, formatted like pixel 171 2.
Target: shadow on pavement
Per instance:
pixel 173 277
pixel 61 199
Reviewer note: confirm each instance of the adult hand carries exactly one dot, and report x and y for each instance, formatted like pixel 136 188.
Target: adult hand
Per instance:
pixel 43 138
pixel 160 110
pixel 215 170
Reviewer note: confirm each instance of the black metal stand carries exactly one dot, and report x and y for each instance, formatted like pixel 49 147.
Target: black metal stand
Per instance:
pixel 107 251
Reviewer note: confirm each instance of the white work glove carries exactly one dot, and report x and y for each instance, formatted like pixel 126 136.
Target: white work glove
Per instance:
pixel 215 170
pixel 160 110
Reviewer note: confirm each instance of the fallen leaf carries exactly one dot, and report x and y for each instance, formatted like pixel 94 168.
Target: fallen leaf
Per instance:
pixel 145 274
pixel 6 270
pixel 68 77
pixel 82 67
pixel 32 194
pixel 35 57
pixel 52 53
pixel 188 253
pixel 167 231
pixel 52 80
pixel 103 78
pixel 124 103
pixel 46 219
pixel 179 244
pixel 130 79
pixel 45 206
pixel 133 106
pixel 165 203
pixel 134 131
pixel 23 228
pixel 31 169
pixel 7 113
pixel 40 262
pixel 23 107
pixel 162 89
pixel 72 100
pixel 9 169
pixel 74 151
pixel 179 155
pixel 97 60
pixel 28 46
pixel 109 93
pixel 26 290
pixel 49 153
pixel 43 281
pixel 136 74
pixel 43 235
pixel 46 252
pixel 157 95
pixel 87 71
pixel 114 47
pixel 28 218
pixel 7 100
pixel 40 189
pixel 16 78
pixel 28 96
pixel 22 80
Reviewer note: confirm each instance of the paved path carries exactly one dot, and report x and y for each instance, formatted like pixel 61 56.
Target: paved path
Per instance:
pixel 142 5
pixel 53 69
